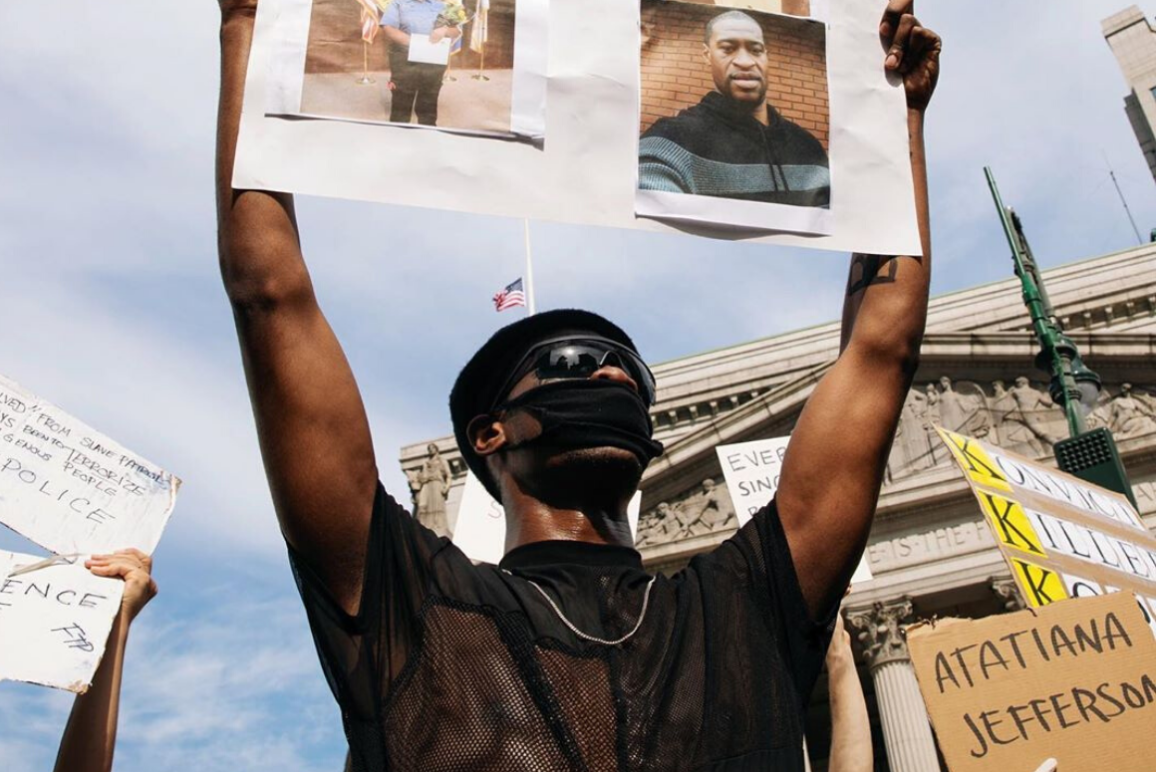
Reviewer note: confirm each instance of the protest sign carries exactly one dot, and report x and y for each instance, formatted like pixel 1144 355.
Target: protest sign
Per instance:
pixel 54 621
pixel 585 167
pixel 480 531
pixel 71 489
pixel 1074 681
pixel 751 471
pixel 1061 536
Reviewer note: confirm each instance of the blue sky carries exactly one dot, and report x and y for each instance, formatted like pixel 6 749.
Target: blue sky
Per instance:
pixel 110 306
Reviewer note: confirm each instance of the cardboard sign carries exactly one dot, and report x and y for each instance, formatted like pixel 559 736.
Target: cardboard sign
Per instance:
pixel 1062 537
pixel 71 489
pixel 54 622
pixel 751 471
pixel 481 528
pixel 1075 682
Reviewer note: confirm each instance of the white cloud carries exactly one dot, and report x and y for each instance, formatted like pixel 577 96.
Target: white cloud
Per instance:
pixel 218 686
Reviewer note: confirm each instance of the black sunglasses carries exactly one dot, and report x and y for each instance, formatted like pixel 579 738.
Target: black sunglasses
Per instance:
pixel 580 357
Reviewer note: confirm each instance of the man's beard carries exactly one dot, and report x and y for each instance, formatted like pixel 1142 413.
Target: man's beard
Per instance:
pixel 753 99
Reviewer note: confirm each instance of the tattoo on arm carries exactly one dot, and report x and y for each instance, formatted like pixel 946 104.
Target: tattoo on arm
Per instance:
pixel 867 270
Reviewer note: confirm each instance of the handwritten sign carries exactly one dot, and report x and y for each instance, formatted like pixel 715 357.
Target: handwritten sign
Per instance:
pixel 1061 536
pixel 71 489
pixel 1075 681
pixel 54 622
pixel 752 470
pixel 481 528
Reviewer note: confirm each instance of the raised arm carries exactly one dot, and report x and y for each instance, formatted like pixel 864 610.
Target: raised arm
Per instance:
pixel 90 736
pixel 834 466
pixel 851 749
pixel 310 418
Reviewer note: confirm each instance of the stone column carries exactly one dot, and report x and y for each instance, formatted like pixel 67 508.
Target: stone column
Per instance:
pixel 906 729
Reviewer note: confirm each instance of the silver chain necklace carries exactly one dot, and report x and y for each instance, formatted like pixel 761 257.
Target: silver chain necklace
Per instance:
pixel 586 636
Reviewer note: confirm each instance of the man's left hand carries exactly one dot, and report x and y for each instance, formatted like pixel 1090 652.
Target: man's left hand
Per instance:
pixel 444 32
pixel 912 52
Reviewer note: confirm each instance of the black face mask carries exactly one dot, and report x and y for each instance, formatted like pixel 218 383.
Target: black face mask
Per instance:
pixel 585 413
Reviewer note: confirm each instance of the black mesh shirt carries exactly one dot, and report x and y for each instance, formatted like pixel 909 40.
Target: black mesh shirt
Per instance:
pixel 451 666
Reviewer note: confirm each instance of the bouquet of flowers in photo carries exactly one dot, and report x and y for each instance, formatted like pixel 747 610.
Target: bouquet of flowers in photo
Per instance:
pixel 453 15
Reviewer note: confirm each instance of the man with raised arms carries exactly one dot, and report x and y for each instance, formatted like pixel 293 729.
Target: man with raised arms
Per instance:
pixel 567 655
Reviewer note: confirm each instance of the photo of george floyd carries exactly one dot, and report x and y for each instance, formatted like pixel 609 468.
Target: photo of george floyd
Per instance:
pixel 446 64
pixel 734 102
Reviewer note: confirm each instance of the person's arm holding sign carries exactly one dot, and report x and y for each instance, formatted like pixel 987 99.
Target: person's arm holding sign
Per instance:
pixel 311 422
pixel 838 452
pixel 851 749
pixel 90 736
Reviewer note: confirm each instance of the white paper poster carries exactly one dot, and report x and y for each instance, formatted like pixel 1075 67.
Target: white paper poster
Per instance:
pixel 54 622
pixel 586 167
pixel 70 488
pixel 752 471
pixel 481 527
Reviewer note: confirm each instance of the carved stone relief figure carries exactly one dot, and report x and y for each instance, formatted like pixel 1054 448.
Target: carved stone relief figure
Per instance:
pixel 932 418
pixel 912 449
pixel 710 509
pixel 1131 414
pixel 1024 427
pixel 431 485
pixel 661 526
pixel 964 410
pixel 1018 419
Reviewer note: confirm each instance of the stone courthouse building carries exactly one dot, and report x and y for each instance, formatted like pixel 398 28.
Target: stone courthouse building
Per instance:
pixel 930 551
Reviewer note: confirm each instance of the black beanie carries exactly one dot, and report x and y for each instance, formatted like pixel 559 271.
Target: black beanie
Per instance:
pixel 475 390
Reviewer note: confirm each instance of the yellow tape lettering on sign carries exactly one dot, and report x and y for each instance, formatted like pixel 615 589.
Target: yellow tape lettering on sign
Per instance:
pixel 975 461
pixel 1041 586
pixel 1011 523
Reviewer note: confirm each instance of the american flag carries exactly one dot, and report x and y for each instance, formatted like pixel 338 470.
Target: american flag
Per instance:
pixel 370 18
pixel 511 296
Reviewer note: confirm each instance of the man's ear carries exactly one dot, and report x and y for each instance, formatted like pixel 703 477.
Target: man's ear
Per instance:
pixel 487 435
pixel 706 53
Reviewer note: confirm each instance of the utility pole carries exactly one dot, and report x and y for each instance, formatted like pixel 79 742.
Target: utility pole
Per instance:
pixel 1089 455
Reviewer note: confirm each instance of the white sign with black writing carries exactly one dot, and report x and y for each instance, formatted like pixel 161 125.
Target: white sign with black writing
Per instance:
pixel 752 471
pixel 480 531
pixel 54 621
pixel 71 489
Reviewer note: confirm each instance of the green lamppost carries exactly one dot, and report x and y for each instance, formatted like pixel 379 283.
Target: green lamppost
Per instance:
pixel 1089 455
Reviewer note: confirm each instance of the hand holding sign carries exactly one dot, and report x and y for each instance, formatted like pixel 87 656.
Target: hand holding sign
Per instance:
pixel 135 568
pixel 912 51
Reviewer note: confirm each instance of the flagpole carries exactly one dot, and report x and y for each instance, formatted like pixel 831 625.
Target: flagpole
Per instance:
pixel 365 80
pixel 482 45
pixel 529 269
